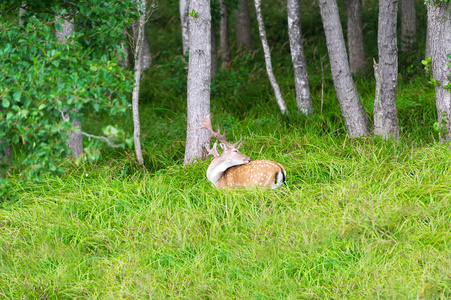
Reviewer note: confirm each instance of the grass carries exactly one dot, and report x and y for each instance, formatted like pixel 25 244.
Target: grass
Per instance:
pixel 360 218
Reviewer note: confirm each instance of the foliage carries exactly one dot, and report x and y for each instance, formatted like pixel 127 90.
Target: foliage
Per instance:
pixel 229 82
pixel 44 80
pixel 177 69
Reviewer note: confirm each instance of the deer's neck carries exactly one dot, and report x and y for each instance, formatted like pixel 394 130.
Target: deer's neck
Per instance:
pixel 217 169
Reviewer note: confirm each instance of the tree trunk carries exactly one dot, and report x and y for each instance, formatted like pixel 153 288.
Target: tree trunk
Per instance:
pixel 388 68
pixel 214 52
pixel 243 27
pixel 21 13
pixel 139 33
pixel 124 61
pixel 351 107
pixel 199 68
pixel 408 25
pixel 357 60
pixel 75 136
pixel 377 110
pixel 76 139
pixel 184 14
pixel 6 158
pixel 303 99
pixel 429 33
pixel 68 28
pixel 272 78
pixel 146 56
pixel 224 36
pixel 440 46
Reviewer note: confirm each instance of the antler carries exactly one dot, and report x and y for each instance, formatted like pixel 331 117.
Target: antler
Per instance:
pixel 213 151
pixel 217 134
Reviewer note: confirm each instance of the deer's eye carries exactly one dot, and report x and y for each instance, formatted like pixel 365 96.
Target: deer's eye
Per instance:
pixel 234 150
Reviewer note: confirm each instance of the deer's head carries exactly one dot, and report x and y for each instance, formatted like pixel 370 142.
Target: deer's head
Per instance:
pixel 231 156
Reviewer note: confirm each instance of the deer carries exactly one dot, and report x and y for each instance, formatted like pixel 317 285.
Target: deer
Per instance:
pixel 232 169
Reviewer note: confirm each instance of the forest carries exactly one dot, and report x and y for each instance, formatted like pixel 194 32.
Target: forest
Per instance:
pixel 108 112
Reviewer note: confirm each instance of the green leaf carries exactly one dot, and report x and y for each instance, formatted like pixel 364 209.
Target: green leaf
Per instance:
pixel 436 126
pixel 17 96
pixel 58 27
pixel 5 103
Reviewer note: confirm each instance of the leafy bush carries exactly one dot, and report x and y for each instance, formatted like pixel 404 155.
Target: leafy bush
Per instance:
pixel 43 80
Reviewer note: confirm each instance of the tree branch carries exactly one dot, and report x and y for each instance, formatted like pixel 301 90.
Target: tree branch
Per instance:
pixel 102 138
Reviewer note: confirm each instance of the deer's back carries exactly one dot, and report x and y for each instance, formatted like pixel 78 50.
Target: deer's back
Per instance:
pixel 257 173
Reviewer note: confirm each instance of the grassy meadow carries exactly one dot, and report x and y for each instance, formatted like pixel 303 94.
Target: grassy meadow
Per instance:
pixel 359 219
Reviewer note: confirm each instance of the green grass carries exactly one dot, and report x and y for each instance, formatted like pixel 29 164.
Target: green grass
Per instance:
pixel 360 218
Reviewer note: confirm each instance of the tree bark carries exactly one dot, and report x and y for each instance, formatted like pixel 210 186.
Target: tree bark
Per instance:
pixel 139 33
pixel 357 60
pixel 6 158
pixel 408 25
pixel 198 92
pixel 439 15
pixel 377 110
pixel 21 13
pixel 214 51
pixel 146 56
pixel 75 135
pixel 272 78
pixel 184 6
pixel 68 28
pixel 243 27
pixel 224 36
pixel 351 107
pixel 303 99
pixel 124 61
pixel 76 139
pixel 429 30
pixel 388 68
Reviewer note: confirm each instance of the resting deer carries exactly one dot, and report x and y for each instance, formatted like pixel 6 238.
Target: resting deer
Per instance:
pixel 233 169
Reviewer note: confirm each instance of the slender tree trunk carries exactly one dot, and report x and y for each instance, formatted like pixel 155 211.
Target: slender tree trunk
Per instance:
pixel 199 68
pixel 439 16
pixel 75 136
pixel 357 60
pixel 224 36
pixel 377 110
pixel 272 78
pixel 6 158
pixel 146 56
pixel 139 49
pixel 214 51
pixel 408 25
pixel 388 68
pixel 351 107
pixel 184 6
pixel 76 139
pixel 124 61
pixel 243 27
pixel 303 99
pixel 21 13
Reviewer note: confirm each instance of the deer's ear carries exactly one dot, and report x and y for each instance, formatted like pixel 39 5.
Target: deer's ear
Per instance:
pixel 223 146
